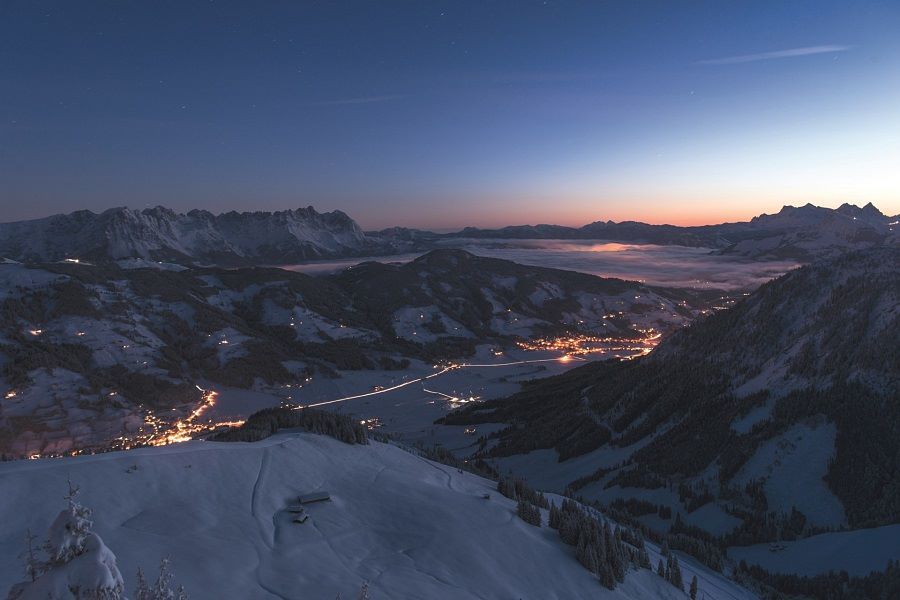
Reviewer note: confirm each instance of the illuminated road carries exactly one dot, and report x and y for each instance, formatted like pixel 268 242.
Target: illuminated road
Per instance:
pixel 189 427
pixel 562 359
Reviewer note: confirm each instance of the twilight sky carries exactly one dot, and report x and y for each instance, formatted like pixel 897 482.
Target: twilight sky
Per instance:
pixel 444 114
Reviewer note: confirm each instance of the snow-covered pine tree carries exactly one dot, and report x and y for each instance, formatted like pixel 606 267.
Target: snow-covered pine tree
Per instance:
pixel 529 513
pixel 554 516
pixel 586 556
pixel 694 588
pixel 78 564
pixel 161 588
pixel 643 559
pixel 142 590
pixel 674 570
pixel 615 556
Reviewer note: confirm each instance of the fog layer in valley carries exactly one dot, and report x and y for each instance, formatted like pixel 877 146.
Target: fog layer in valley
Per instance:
pixel 672 266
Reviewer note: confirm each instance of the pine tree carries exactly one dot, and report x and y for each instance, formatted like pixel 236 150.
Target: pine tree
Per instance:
pixel 661 569
pixel 162 589
pixel 614 554
pixel 68 538
pixel 607 578
pixel 675 577
pixel 643 559
pixel 529 513
pixel 554 516
pixel 33 565
pixel 694 588
pixel 142 591
pixel 586 556
pixel 69 531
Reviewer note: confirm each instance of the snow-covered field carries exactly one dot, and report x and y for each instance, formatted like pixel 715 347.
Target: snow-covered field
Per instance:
pixel 408 411
pixel 793 466
pixel 409 527
pixel 858 552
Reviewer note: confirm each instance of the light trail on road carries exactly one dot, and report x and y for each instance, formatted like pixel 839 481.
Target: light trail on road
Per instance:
pixel 377 392
pixel 562 359
pixel 438 374
pixel 447 396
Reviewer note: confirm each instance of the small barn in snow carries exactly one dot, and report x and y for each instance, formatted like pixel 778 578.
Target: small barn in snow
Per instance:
pixel 320 496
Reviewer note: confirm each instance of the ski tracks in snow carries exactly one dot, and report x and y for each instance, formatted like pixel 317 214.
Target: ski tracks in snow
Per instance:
pixel 263 535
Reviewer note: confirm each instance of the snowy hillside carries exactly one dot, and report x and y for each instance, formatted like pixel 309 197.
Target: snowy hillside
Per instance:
pixel 160 234
pixel 96 354
pixel 410 528
pixel 772 420
pixel 809 232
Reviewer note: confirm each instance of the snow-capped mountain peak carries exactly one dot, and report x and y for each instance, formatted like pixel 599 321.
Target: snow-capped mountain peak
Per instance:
pixel 160 233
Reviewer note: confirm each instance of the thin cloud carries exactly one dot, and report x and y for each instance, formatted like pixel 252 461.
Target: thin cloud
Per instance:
pixel 547 76
pixel 359 100
pixel 790 53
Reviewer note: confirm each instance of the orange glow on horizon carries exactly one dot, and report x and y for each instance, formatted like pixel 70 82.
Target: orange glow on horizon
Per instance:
pixel 495 213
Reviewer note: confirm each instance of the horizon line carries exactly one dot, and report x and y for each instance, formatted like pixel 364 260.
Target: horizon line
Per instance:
pixel 434 229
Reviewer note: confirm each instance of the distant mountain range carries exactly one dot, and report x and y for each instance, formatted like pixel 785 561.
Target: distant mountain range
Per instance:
pixel 803 233
pixel 160 234
pixel 273 238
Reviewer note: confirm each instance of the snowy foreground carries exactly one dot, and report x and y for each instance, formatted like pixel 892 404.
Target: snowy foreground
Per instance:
pixel 409 527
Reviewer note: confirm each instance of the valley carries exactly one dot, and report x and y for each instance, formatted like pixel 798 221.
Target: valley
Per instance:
pixel 750 449
pixel 98 357
pixel 621 391
pixel 506 300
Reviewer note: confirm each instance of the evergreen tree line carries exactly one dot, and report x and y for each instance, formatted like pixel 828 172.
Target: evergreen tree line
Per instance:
pixel 694 496
pixel 581 482
pixel 637 507
pixel 268 421
pixel 884 585
pixel 445 457
pixel 604 551
pixel 515 488
pixel 599 548
pixel 670 570
pixel 851 383
pixel 698 543
pixel 529 513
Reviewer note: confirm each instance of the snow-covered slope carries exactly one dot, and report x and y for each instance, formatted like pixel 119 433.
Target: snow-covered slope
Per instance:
pixel 197 236
pixel 91 353
pixel 410 528
pixel 786 401
pixel 809 232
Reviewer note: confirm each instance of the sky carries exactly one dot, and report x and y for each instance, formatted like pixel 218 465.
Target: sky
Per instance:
pixel 446 114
